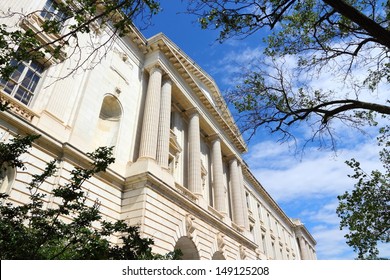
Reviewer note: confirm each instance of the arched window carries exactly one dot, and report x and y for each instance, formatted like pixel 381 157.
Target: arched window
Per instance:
pixel 108 124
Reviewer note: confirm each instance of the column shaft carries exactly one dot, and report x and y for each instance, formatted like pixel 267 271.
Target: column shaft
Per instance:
pixel 237 203
pixel 194 167
pixel 302 245
pixel 164 124
pixel 149 132
pixel 219 189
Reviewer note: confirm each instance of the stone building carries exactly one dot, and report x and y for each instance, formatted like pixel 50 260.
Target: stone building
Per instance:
pixel 179 172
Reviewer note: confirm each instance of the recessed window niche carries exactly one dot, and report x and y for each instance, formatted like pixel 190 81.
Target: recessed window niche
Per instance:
pixel 109 121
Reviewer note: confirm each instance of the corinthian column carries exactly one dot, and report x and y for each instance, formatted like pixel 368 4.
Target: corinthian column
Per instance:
pixel 164 124
pixel 148 143
pixel 194 167
pixel 236 190
pixel 219 189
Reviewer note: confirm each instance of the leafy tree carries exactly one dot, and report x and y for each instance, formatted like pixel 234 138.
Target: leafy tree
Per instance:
pixel 322 37
pixel 365 210
pixel 70 229
pixel 303 40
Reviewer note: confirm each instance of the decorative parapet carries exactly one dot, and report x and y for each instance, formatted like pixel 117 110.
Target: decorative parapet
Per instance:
pixel 17 107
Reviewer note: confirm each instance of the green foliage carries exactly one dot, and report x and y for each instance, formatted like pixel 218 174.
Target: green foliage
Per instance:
pixel 303 40
pixel 70 227
pixel 10 152
pixel 79 17
pixel 365 210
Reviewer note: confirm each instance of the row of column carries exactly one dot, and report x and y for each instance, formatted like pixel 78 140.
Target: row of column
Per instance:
pixel 155 145
pixel 156 121
pixel 305 250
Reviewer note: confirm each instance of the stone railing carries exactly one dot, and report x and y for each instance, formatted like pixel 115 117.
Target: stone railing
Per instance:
pixel 16 107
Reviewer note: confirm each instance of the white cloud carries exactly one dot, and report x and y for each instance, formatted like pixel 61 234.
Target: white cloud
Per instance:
pixel 318 173
pixel 324 226
pixel 308 184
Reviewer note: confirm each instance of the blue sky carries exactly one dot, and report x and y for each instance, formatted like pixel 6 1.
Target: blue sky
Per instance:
pixel 305 185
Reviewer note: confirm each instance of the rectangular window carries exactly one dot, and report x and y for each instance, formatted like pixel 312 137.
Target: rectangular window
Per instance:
pixel 269 221
pixel 273 251
pixel 264 244
pixel 259 212
pixel 247 201
pixel 52 11
pixel 23 81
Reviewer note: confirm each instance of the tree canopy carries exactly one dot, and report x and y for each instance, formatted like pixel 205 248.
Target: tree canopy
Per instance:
pixel 347 41
pixel 70 227
pixel 322 37
pixel 365 210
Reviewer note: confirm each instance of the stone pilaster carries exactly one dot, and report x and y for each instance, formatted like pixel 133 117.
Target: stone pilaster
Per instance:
pixel 219 189
pixel 244 205
pixel 164 124
pixel 148 144
pixel 236 191
pixel 194 167
pixel 302 246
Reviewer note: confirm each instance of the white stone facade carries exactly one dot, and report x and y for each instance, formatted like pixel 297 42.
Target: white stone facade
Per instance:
pixel 179 172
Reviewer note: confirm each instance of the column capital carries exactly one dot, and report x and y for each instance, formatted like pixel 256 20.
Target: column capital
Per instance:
pixel 231 158
pixel 155 67
pixel 166 79
pixel 192 111
pixel 214 137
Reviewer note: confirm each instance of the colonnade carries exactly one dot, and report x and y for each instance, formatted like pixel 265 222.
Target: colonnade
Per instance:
pixel 155 145
pixel 307 253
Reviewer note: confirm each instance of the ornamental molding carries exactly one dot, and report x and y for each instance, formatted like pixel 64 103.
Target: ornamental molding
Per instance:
pixel 16 107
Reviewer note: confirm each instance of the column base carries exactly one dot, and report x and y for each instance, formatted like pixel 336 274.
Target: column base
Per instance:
pixel 149 165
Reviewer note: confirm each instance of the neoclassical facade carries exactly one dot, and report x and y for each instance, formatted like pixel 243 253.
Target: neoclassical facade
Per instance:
pixel 179 172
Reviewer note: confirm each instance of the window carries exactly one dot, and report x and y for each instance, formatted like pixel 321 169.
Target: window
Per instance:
pixel 264 244
pixel 273 251
pixel 52 11
pixel 247 200
pixel 23 81
pixel 252 231
pixel 277 229
pixel 269 221
pixel 259 212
